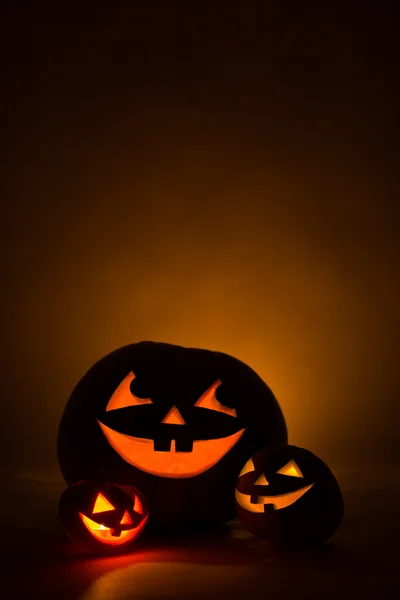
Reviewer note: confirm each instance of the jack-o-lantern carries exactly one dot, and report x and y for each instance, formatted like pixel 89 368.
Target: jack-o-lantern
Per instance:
pixel 175 422
pixel 105 517
pixel 288 496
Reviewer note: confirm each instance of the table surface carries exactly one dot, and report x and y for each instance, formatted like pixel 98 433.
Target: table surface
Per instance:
pixel 361 560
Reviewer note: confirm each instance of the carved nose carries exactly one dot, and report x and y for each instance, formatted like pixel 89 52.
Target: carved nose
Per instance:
pixel 174 417
pixel 261 481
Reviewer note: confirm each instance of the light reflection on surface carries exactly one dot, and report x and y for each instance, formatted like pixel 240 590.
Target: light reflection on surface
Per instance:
pixel 179 580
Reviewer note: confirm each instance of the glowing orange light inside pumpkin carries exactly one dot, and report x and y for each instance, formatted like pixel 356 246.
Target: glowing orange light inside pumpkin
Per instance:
pixel 126 519
pixel 248 468
pixel 137 507
pixel 174 417
pixel 102 504
pixel 105 534
pixel 279 502
pixel 261 480
pixel 140 453
pixel 291 469
pixel 123 396
pixel 209 400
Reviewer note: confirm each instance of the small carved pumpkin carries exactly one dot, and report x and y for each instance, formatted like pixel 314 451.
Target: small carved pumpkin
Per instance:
pixel 175 422
pixel 103 516
pixel 288 496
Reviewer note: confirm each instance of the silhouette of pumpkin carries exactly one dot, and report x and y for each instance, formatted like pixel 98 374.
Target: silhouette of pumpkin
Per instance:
pixel 103 516
pixel 287 495
pixel 175 422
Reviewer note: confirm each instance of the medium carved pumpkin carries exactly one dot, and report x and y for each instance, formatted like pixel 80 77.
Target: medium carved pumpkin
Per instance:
pixel 103 516
pixel 175 422
pixel 287 495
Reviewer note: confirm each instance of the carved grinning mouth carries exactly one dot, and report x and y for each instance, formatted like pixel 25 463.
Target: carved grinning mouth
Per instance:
pixel 280 501
pixel 142 453
pixel 110 535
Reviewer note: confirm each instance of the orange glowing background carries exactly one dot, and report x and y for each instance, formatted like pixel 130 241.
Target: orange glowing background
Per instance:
pixel 214 185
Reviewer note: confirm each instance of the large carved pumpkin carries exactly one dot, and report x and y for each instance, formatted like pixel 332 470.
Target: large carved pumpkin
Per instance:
pixel 177 423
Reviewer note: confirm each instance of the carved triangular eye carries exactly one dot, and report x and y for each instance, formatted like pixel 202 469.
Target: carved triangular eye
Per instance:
pixel 290 469
pixel 137 507
pixel 126 519
pixel 102 505
pixel 209 400
pixel 248 468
